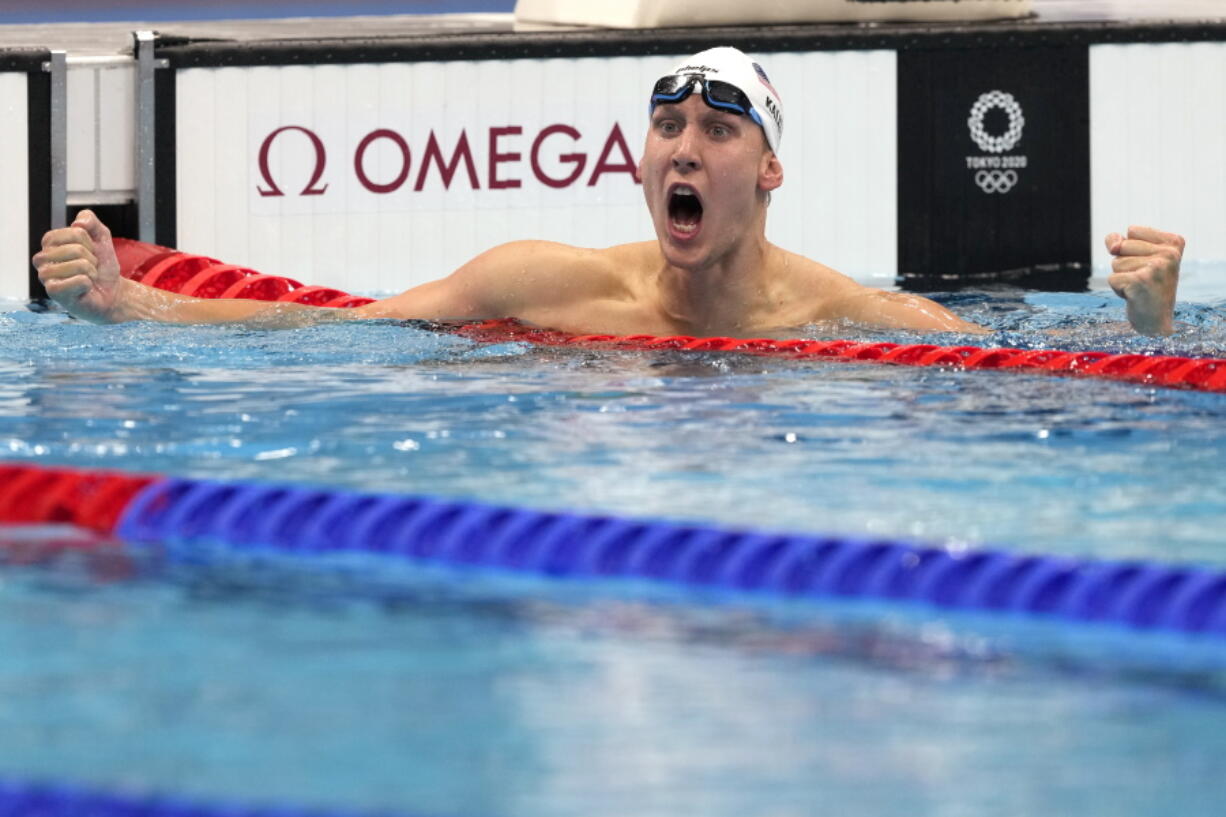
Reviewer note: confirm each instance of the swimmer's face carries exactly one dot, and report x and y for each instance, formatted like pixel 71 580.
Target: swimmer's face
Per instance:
pixel 705 175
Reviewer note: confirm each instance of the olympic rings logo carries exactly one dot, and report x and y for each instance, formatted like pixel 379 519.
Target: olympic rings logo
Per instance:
pixel 986 141
pixel 996 181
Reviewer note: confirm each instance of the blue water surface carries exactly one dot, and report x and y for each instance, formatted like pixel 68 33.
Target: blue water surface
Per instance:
pixel 1046 464
pixel 390 688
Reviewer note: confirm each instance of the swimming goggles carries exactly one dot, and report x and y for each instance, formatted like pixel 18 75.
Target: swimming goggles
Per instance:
pixel 720 95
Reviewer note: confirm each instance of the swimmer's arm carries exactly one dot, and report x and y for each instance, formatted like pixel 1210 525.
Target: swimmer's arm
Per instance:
pixel 530 280
pixel 79 269
pixel 1144 272
pixel 522 279
pixel 138 302
pixel 896 310
pixel 457 296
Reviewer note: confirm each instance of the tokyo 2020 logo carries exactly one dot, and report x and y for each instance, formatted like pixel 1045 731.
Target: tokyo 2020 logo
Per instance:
pixel 986 141
pixel 996 181
pixel 996 173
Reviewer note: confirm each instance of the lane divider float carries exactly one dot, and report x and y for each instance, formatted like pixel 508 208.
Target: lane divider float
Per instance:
pixel 208 278
pixel 1202 374
pixel 204 277
pixel 187 514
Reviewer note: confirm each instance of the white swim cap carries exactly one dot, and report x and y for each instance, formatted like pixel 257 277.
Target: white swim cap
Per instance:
pixel 734 68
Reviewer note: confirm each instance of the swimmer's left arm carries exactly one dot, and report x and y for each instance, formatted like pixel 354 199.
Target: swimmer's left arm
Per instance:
pixel 1144 272
pixel 897 310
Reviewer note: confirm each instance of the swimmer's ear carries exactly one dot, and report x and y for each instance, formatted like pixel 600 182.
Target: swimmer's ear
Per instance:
pixel 770 173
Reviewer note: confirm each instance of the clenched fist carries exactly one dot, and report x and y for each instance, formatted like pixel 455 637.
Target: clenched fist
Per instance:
pixel 79 270
pixel 1145 273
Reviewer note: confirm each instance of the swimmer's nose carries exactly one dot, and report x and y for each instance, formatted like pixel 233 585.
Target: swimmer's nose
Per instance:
pixel 685 157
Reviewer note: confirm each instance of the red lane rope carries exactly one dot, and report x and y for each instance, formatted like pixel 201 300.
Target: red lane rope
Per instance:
pixel 1204 374
pixel 208 278
pixel 93 500
pixel 204 277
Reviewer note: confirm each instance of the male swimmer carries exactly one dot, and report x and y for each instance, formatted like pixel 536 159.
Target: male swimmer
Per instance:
pixel 709 165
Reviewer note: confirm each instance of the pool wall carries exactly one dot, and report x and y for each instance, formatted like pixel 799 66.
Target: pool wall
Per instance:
pixel 304 168
pixel 14 217
pixel 24 192
pixel 932 154
pixel 537 147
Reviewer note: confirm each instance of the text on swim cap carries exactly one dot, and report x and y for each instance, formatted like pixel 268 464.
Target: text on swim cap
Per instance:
pixel 773 109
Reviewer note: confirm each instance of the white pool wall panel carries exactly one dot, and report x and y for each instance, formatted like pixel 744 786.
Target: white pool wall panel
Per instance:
pixel 14 188
pixel 838 203
pixel 101 111
pixel 1158 142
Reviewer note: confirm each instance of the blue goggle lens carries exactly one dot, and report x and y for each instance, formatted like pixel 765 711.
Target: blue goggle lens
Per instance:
pixel 722 96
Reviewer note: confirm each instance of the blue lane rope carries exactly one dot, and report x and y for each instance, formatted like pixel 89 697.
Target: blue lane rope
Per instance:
pixel 291 519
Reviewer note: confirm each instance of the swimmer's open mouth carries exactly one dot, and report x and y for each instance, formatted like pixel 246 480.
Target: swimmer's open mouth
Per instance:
pixel 684 209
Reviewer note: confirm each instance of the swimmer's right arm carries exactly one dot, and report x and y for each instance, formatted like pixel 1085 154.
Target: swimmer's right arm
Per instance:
pixel 80 271
pixel 78 268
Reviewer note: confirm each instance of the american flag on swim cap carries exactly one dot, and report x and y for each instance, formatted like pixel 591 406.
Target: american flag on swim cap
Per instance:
pixel 761 72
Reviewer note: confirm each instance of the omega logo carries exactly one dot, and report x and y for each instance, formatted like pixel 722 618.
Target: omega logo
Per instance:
pixel 321 160
pixel 614 158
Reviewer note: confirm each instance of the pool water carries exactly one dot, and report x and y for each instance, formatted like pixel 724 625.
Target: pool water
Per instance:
pixel 1046 464
pixel 397 689
pixel 247 686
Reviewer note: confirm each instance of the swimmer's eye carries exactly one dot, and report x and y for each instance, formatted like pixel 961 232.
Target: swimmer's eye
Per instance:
pixel 667 126
pixel 721 131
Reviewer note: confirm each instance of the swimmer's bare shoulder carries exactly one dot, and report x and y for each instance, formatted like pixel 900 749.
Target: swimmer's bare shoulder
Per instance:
pixel 831 296
pixel 535 281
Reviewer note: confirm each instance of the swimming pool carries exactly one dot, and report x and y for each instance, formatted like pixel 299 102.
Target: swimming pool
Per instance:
pixel 377 687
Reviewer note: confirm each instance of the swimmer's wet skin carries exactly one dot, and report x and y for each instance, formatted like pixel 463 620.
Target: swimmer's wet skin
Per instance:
pixel 709 164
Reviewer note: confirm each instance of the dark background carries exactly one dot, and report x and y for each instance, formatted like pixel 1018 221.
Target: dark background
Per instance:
pixel 1037 233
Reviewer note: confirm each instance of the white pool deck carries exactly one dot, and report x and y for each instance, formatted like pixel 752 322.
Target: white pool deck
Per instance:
pixel 100 39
